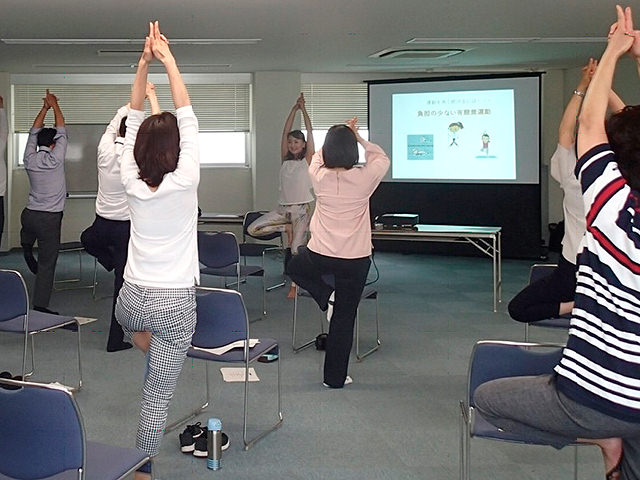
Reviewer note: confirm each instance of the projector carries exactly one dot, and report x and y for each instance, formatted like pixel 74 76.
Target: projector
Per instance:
pixel 390 221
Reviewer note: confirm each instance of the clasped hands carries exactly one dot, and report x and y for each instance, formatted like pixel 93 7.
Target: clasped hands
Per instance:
pixel 49 100
pixel 156 45
pixel 622 37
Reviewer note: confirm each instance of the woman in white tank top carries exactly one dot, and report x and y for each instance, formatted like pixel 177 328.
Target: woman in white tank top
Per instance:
pixel 293 213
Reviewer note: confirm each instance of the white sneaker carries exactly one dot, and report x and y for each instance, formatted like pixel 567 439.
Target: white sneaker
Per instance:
pixel 347 381
pixel 332 299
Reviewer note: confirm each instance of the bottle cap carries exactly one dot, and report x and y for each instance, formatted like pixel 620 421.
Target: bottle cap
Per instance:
pixel 214 424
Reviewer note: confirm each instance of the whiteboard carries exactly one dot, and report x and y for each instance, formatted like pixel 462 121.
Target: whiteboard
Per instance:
pixel 80 164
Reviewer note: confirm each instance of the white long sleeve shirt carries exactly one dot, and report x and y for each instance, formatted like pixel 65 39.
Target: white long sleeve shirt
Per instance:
pixel 163 247
pixel 111 202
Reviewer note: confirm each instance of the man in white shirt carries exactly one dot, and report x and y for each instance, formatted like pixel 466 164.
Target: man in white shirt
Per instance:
pixel 107 238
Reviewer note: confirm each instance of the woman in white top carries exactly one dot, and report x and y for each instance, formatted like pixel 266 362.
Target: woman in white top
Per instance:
pixel 552 296
pixel 293 213
pixel 160 172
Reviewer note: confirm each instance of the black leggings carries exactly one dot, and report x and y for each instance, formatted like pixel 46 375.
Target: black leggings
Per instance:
pixel 542 298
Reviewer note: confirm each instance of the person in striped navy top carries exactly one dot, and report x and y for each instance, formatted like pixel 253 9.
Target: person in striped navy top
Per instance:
pixel 594 394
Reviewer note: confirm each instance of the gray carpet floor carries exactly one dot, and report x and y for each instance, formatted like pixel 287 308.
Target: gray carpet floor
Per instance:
pixel 398 420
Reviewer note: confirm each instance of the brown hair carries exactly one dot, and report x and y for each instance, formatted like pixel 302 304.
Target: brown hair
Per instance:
pixel 157 147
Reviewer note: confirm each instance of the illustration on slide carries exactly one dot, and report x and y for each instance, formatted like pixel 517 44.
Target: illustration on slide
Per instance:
pixel 420 147
pixel 454 128
pixel 485 143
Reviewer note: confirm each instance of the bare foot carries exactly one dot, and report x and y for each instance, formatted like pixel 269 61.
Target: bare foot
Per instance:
pixel 565 307
pixel 142 340
pixel 141 476
pixel 292 291
pixel 611 453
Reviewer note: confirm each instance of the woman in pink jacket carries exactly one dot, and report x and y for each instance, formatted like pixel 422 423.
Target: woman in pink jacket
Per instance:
pixel 340 242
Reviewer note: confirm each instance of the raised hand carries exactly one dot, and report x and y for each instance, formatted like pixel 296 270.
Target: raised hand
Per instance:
pixel 160 44
pixel 587 74
pixel 50 99
pixel 147 54
pixel 300 102
pixel 150 90
pixel 621 34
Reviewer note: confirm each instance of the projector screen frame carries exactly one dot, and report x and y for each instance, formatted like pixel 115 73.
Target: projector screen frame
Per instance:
pixel 527 173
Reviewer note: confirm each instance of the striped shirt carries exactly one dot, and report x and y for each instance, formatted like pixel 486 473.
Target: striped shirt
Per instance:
pixel 600 366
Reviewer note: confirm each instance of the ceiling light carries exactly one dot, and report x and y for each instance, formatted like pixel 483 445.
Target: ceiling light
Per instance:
pixel 128 41
pixel 458 41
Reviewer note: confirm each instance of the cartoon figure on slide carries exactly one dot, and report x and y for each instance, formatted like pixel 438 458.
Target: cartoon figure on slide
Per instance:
pixel 485 143
pixel 454 129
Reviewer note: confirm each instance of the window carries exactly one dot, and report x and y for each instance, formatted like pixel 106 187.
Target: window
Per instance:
pixel 331 103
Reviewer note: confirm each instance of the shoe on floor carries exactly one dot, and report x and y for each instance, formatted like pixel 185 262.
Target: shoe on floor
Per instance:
pixel 347 381
pixel 201 449
pixel 188 437
pixel 332 299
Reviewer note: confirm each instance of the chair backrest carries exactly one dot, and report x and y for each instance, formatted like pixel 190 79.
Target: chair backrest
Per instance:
pixel 42 431
pixel 491 360
pixel 251 217
pixel 221 318
pixel 541 270
pixel 218 249
pixel 14 301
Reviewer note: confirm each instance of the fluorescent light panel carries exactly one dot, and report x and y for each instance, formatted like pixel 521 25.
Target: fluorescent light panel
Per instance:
pixel 124 65
pixel 128 41
pixel 456 41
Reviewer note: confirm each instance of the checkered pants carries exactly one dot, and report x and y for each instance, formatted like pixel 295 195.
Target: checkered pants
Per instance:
pixel 170 315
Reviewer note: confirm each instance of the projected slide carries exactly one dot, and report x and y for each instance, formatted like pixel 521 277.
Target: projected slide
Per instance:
pixel 461 135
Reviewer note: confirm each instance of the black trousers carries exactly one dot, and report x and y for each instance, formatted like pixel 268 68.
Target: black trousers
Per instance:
pixel 306 269
pixel 542 299
pixel 43 227
pixel 108 241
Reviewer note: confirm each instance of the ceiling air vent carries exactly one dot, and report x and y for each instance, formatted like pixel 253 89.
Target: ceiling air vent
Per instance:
pixel 412 53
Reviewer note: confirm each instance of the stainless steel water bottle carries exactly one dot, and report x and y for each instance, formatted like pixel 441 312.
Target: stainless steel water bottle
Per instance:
pixel 214 444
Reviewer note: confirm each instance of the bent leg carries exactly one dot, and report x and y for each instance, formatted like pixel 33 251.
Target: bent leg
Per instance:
pixel 300 219
pixel 306 270
pixel 270 222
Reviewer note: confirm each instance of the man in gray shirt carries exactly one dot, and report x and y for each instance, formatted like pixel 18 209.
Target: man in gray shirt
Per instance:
pixel 42 217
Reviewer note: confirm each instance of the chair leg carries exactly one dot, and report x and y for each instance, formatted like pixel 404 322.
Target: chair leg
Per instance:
pixel 275 285
pixel 376 345
pixel 197 411
pixel 526 332
pixel 302 346
pixel 250 442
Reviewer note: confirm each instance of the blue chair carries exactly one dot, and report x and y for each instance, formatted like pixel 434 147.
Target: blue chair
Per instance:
pixel 369 293
pixel 537 272
pixel 43 436
pixel 491 360
pixel 255 246
pixel 15 317
pixel 220 254
pixel 221 320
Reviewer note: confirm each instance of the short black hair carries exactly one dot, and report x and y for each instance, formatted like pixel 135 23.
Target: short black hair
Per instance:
pixel 122 131
pixel 340 148
pixel 624 139
pixel 46 136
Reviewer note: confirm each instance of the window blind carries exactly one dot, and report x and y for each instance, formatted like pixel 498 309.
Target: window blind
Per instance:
pixel 329 104
pixel 219 107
